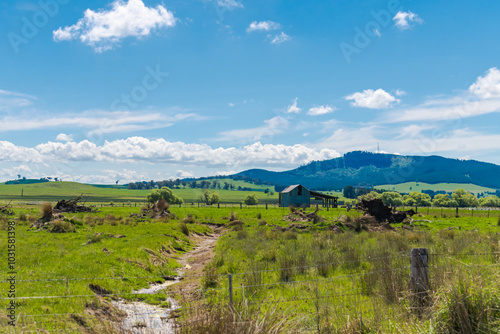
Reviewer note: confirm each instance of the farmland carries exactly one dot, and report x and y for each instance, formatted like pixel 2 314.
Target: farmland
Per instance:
pixel 307 277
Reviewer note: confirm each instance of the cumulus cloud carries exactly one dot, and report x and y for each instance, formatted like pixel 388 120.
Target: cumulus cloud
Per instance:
pixel 372 99
pixel 321 110
pixel 184 174
pixel 263 26
pixel 104 29
pixel 293 109
pixel 487 86
pixel 278 39
pixel 64 137
pixel 405 20
pixel 141 150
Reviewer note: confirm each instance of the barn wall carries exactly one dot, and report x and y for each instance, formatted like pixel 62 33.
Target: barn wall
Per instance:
pixel 293 198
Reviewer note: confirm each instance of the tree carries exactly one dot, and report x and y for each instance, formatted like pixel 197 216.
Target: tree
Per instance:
pixel 210 197
pixel 464 199
pixel 444 200
pixel 392 198
pixel 349 192
pixel 369 196
pixel 417 199
pixel 164 193
pixel 251 200
pixel 490 202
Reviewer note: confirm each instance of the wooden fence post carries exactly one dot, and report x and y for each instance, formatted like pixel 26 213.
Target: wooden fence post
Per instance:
pixel 266 206
pixel 230 277
pixel 241 206
pixel 419 277
pixel 456 215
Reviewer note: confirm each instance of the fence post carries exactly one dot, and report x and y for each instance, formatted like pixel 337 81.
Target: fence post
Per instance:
pixel 472 213
pixel 230 276
pixel 218 205
pixel 419 276
pixel 266 206
pixel 456 215
pixel 241 206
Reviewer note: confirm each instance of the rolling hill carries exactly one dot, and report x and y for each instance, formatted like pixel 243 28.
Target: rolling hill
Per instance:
pixel 371 169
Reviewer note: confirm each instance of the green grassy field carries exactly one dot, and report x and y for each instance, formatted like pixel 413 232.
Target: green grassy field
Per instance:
pixel 321 278
pixel 55 191
pixel 419 186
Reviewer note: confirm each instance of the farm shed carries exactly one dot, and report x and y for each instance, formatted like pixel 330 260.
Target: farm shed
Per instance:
pixel 299 196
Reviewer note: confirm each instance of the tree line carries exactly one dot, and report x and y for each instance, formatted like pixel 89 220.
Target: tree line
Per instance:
pixel 458 199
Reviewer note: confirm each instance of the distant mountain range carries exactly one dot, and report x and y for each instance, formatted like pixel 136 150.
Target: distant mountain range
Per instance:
pixel 367 169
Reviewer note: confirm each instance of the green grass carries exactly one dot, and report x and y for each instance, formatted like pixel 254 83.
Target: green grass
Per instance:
pixel 419 186
pixel 325 263
pixel 55 191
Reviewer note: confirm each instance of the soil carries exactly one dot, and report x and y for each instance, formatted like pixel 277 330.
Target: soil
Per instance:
pixel 193 263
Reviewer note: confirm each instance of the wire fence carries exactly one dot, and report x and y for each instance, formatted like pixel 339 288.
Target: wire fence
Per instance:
pixel 318 295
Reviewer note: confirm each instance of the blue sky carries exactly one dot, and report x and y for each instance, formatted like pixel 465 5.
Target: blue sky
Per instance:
pixel 99 91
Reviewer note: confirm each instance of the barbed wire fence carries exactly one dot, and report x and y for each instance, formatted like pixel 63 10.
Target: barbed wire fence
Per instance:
pixel 315 295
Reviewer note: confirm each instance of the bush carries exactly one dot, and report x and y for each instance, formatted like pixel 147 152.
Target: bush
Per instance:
pixel 210 198
pixel 61 226
pixel 22 217
pixel 251 200
pixel 46 211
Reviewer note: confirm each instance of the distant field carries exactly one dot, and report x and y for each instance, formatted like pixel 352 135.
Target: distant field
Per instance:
pixel 55 191
pixel 448 187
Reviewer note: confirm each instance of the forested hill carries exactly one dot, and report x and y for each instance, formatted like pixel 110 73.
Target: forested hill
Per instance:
pixel 370 169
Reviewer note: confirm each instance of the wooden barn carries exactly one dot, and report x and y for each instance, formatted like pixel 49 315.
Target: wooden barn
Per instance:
pixel 299 196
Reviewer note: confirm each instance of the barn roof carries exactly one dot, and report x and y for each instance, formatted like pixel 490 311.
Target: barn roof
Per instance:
pixel 290 188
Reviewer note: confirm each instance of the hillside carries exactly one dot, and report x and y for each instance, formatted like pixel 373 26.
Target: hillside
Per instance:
pixel 370 169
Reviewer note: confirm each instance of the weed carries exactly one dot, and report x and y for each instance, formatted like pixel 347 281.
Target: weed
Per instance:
pixel 233 217
pixel 95 238
pixel 46 211
pixel 242 234
pixel 210 277
pixel 61 226
pixel 184 228
pixel 467 309
pixel 259 216
pixel 286 265
pixel 290 235
pixel 22 217
pixel 292 208
pixel 190 219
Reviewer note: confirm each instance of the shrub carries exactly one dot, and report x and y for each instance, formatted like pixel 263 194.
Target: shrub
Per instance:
pixel 95 238
pixel 184 228
pixel 251 200
pixel 233 217
pixel 22 216
pixel 46 211
pixel 210 198
pixel 190 219
pixel 61 226
pixel 259 216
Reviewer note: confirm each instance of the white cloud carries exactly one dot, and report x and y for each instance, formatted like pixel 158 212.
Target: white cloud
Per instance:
pixel 293 109
pixel 321 110
pixel 278 39
pixel 372 99
pixel 184 174
pixel 12 100
pixel 487 86
pixel 64 137
pixel 142 150
pixel 96 122
pixel 263 26
pixel 229 4
pixel 400 92
pixel 377 32
pixel 103 29
pixel 404 20
pixel 271 127
pixel 231 104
